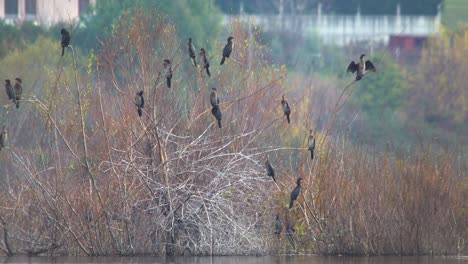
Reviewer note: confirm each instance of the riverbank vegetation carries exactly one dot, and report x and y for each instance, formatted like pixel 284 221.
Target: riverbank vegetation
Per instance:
pixel 84 175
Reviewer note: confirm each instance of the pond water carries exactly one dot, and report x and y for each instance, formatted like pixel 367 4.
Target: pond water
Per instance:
pixel 243 260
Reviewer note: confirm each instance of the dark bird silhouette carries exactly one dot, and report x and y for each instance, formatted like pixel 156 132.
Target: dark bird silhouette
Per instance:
pixel 278 225
pixel 361 67
pixel 139 102
pixel 191 51
pixel 89 215
pixel 295 193
pixel 227 49
pixel 269 169
pixel 311 145
pixel 65 39
pixel 167 72
pixel 286 109
pixel 9 91
pixel 216 111
pixel 134 214
pixel 214 99
pixel 289 234
pixel 204 61
pixel 3 138
pixel 18 91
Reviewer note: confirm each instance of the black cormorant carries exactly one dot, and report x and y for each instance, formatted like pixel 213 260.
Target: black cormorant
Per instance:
pixel 204 61
pixel 311 146
pixel 216 111
pixel 3 138
pixel 269 169
pixel 227 49
pixel 191 51
pixel 214 99
pixel 361 67
pixel 18 91
pixel 278 225
pixel 65 39
pixel 10 91
pixel 139 102
pixel 167 72
pixel 286 109
pixel 295 193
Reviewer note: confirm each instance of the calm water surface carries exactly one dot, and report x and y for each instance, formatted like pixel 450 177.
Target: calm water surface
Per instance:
pixel 243 260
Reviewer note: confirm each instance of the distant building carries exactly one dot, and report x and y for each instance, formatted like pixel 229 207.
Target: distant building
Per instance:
pixel 407 42
pixel 407 48
pixel 344 30
pixel 44 12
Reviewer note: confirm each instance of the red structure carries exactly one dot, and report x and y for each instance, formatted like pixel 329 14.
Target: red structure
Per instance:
pixel 407 42
pixel 407 48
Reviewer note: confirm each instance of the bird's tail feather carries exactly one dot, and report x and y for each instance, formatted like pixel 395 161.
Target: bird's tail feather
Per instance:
pixel 140 113
pixel 291 204
pixel 311 154
pixel 168 80
pixel 208 71
pixel 219 123
pixel 222 60
pixel 17 104
pixel 287 117
pixel 194 62
pixel 63 50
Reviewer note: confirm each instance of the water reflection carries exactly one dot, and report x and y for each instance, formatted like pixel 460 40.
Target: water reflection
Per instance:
pixel 241 259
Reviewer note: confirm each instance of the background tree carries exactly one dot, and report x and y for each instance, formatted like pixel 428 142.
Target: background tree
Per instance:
pixel 438 88
pixel 197 19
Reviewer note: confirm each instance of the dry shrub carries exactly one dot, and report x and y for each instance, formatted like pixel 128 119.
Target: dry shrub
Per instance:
pixel 170 182
pixel 105 182
pixel 368 202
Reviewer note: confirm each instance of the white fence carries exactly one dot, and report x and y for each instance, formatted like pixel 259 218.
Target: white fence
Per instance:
pixel 342 30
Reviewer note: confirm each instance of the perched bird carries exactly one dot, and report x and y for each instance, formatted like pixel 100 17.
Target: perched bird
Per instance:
pixel 361 67
pixel 65 39
pixel 289 232
pixel 311 146
pixel 89 215
pixel 216 111
pixel 3 138
pixel 286 109
pixel 278 225
pixel 18 90
pixel 167 72
pixel 204 61
pixel 214 99
pixel 295 193
pixel 9 90
pixel 269 169
pixel 227 49
pixel 139 102
pixel 134 214
pixel 191 51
